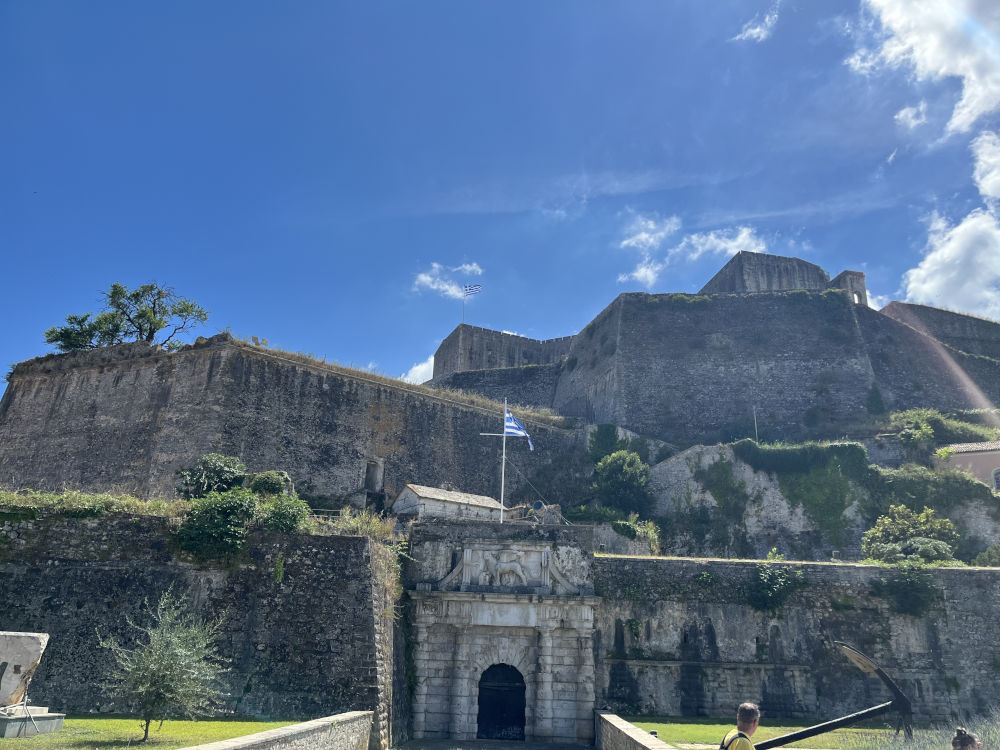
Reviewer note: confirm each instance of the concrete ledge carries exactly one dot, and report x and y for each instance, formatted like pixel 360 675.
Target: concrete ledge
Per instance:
pixel 612 732
pixel 346 731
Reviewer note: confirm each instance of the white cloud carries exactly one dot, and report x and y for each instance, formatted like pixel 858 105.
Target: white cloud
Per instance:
pixel 941 39
pixel 646 272
pixel 878 301
pixel 724 242
pixel 647 233
pixel 986 150
pixel 420 372
pixel 437 280
pixel 912 117
pixel 891 157
pixel 961 269
pixel 759 30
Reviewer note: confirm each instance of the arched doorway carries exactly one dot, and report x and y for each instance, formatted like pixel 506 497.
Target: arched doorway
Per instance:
pixel 501 704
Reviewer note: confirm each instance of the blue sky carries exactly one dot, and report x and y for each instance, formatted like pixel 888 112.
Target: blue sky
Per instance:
pixel 326 175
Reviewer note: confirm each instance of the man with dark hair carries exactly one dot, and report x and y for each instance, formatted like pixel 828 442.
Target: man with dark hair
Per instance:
pixel 747 720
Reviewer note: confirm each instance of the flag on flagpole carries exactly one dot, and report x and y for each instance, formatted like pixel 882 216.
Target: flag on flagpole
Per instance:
pixel 513 428
pixel 471 289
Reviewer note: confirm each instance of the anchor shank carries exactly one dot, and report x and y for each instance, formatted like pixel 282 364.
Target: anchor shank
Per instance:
pixel 827 726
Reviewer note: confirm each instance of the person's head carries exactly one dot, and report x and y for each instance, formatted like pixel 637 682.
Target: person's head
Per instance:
pixel 747 718
pixel 964 740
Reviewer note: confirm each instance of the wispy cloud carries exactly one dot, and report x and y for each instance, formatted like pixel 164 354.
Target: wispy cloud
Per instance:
pixel 912 117
pixel 420 372
pixel 648 234
pixel 939 39
pixel 438 279
pixel 759 29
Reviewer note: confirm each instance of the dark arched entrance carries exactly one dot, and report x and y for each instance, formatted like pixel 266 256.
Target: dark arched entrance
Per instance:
pixel 501 704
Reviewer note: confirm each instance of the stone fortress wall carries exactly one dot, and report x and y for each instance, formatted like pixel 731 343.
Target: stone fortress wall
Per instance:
pixel 304 618
pixel 127 418
pixel 748 272
pixel 802 360
pixel 652 635
pixel 473 348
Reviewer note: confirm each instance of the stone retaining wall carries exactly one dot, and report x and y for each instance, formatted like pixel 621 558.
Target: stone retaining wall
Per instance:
pixel 612 732
pixel 348 731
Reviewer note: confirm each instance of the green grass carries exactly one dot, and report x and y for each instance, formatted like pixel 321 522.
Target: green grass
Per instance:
pixel 89 732
pixel 700 730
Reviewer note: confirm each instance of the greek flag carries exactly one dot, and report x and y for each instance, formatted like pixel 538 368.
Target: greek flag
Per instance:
pixel 513 428
pixel 471 289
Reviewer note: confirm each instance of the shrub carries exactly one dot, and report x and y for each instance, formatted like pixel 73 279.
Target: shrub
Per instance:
pixel 284 513
pixel 910 591
pixel 917 486
pixel 770 585
pixel 604 441
pixel 212 473
pixel 364 523
pixel 620 481
pixel 903 535
pixel 989 558
pixel 218 524
pixel 270 483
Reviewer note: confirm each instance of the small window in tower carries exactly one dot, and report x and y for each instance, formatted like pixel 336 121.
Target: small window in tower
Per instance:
pixel 857 298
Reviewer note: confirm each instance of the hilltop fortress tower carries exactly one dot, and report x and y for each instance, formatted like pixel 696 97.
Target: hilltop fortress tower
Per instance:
pixel 768 337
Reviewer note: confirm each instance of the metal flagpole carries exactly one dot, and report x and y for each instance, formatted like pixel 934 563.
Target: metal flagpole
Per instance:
pixel 503 459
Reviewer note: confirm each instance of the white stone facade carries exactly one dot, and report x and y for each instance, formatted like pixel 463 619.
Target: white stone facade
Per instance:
pixel 504 602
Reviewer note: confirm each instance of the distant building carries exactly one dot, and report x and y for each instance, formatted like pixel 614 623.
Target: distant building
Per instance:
pixel 422 502
pixel 982 460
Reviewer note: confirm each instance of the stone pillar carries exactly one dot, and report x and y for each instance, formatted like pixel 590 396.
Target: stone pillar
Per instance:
pixel 543 683
pixel 420 667
pixel 585 694
pixel 463 674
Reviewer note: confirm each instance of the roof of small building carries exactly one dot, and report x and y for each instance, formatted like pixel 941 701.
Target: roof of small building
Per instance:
pixel 974 447
pixel 453 496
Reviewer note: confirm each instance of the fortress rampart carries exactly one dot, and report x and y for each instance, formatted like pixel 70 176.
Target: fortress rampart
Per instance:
pixel 129 417
pixel 965 333
pixel 473 348
pixel 692 369
pixel 314 635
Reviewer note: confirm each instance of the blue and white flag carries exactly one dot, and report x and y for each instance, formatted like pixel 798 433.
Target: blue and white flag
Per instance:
pixel 513 428
pixel 471 289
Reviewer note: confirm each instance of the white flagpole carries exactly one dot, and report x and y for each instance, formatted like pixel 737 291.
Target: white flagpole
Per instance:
pixel 503 459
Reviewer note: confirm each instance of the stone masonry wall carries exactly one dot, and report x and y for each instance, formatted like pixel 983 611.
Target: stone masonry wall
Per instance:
pixel 677 637
pixel 128 418
pixel 763 272
pixel 473 348
pixel 305 625
pixel 531 385
pixel 347 731
pixel 963 332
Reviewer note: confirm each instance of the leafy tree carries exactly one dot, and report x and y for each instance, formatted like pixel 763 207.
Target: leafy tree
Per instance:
pixel 620 481
pixel 213 472
pixel 218 524
pixel 174 669
pixel 903 535
pixel 604 441
pixel 150 313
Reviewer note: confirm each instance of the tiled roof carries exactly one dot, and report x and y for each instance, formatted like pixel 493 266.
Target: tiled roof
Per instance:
pixel 452 496
pixel 974 447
